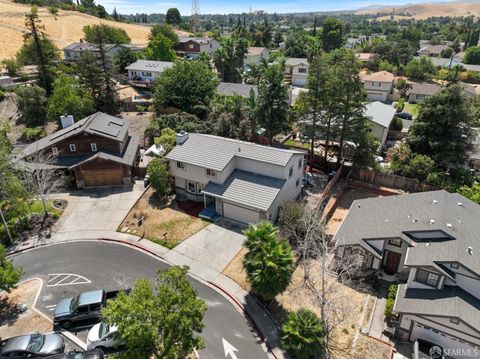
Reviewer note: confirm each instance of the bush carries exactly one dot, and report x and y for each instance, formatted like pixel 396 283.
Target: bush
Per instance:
pixel 12 67
pixel 53 10
pixel 396 124
pixel 31 134
pixel 2 94
pixel 472 55
pixel 392 293
pixel 158 171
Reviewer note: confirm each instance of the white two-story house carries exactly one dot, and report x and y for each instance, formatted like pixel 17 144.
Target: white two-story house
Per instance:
pixel 296 71
pixel 378 85
pixel 239 180
pixel 255 55
pixel 433 239
pixel 147 70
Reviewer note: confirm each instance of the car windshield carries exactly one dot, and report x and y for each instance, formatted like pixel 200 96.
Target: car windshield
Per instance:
pixel 76 355
pixel 74 304
pixel 103 330
pixel 35 343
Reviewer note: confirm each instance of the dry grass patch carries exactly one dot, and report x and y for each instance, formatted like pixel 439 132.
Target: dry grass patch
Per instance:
pixel 369 348
pixel 15 323
pixel 165 223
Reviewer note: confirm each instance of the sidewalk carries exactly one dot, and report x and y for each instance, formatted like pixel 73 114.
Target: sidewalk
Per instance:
pixel 237 295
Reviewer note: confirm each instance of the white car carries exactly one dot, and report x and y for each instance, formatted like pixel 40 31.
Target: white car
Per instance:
pixel 102 336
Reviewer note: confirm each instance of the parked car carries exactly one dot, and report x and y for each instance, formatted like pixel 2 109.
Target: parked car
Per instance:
pixel 89 354
pixel 85 306
pixel 103 336
pixel 405 116
pixel 31 346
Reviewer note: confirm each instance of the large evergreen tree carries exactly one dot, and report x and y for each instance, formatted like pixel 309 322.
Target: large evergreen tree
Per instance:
pixel 229 58
pixel 332 34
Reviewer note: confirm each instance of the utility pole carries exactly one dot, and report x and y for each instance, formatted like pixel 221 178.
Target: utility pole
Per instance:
pixel 6 227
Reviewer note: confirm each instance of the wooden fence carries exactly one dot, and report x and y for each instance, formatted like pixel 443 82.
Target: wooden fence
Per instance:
pixel 390 180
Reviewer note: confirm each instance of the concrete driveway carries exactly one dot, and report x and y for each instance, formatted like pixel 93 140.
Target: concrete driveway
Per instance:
pixel 214 246
pixel 98 209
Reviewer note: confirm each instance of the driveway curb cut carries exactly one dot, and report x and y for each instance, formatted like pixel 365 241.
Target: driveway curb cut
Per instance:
pixel 213 286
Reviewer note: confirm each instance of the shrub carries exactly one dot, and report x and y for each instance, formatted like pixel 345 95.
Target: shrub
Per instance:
pixel 157 169
pixel 12 67
pixel 2 94
pixel 396 124
pixel 392 293
pixel 31 134
pixel 53 10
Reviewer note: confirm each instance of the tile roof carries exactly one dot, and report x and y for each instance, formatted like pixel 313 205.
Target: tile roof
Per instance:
pixel 252 50
pixel 198 40
pixel 216 152
pixel 433 49
pixel 393 216
pixel 294 61
pixel 380 76
pixel 380 113
pixel 244 187
pixel 230 89
pixel 148 65
pixel 425 88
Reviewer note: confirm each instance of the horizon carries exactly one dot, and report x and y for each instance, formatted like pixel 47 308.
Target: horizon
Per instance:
pixel 211 7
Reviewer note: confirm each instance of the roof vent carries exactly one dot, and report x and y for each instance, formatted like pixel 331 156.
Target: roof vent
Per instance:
pixel 415 220
pixel 358 205
pixel 432 221
pixel 239 149
pixel 434 201
pixel 470 251
pixel 182 136
pixel 449 225
pixel 67 121
pixel 460 204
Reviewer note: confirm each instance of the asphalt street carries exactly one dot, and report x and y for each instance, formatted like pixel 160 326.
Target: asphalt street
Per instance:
pixel 71 268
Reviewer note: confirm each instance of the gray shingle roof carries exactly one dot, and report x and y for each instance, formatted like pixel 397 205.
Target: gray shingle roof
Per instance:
pixel 147 65
pixel 392 216
pixel 198 40
pixel 244 188
pixel 216 152
pixel 230 89
pixel 380 113
pixel 450 302
pixel 293 61
pixel 425 88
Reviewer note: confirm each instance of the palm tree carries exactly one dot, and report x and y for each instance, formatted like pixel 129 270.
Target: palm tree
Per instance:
pixel 269 262
pixel 302 335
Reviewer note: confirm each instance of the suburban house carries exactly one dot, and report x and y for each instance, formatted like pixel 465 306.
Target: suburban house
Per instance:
pixel 255 55
pixel 365 57
pixel 73 52
pixel 98 150
pixel 432 239
pixel 380 115
pixel 419 91
pixel 378 85
pixel 192 46
pixel 239 180
pixel 432 50
pixel 231 89
pixel 147 70
pixel 296 71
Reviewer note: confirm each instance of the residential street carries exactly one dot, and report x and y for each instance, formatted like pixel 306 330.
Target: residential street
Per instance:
pixel 68 269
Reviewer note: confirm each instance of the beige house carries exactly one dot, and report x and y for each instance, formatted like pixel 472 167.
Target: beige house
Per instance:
pixel 255 55
pixel 296 71
pixel 420 91
pixel 378 85
pixel 239 180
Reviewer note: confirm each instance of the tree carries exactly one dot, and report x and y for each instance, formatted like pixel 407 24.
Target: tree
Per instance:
pixel 396 124
pixel 12 67
pixel 442 129
pixel 296 44
pixel 160 321
pixel 69 98
pixel 164 29
pixel 186 85
pixel 269 261
pixel 420 69
pixel 168 139
pixel 27 55
pixel 302 335
pixel 160 49
pixel 332 34
pixel 32 102
pixel 109 34
pixel 173 16
pixel 472 193
pixel 9 275
pixel 472 55
pixel 229 58
pixel 123 58
pixel 115 14
pixel 158 171
pixel 271 110
pixel 418 167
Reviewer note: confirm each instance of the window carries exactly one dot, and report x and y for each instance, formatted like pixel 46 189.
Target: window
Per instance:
pixel 211 173
pixel 300 163
pixel 302 71
pixel 397 242
pixel 290 172
pixel 454 265
pixel 190 46
pixel 55 151
pixel 180 165
pixel 72 147
pixel 427 277
pixel 93 146
pixel 210 45
pixel 191 187
pixel 146 73
pixel 455 320
pixel 297 183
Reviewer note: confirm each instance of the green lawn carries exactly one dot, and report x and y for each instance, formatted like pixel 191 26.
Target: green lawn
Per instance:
pixel 296 143
pixel 411 108
pixel 37 207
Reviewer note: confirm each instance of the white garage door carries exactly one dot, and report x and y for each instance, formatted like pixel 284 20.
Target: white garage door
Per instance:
pixel 376 96
pixel 453 347
pixel 240 214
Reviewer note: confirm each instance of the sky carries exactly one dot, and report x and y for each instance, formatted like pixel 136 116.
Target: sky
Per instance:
pixel 229 6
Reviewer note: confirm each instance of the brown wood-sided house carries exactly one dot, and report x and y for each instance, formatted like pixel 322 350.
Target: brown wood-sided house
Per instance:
pixel 98 150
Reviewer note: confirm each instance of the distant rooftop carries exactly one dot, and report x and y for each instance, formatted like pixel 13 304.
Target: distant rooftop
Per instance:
pixel 380 76
pixel 148 65
pixel 380 113
pixel 230 89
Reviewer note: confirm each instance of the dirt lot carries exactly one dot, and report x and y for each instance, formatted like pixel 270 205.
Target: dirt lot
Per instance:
pixel 369 348
pixel 343 206
pixel 165 223
pixel 15 323
pixel 138 123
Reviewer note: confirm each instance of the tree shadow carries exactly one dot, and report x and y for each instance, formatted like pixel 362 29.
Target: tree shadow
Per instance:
pixel 9 311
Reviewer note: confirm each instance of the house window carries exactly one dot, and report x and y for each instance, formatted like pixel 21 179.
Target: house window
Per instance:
pixel 211 173
pixel 93 146
pixel 397 242
pixel 454 265
pixel 147 74
pixel 302 71
pixel 210 45
pixel 191 187
pixel 180 165
pixel 190 46
pixel 454 320
pixel 290 172
pixel 55 151
pixel 427 277
pixel 300 163
pixel 72 147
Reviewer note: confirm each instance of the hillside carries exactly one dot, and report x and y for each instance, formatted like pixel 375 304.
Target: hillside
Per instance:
pixel 426 10
pixel 65 29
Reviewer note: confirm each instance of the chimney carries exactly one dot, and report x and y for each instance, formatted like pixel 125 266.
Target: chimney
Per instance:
pixel 67 121
pixel 182 136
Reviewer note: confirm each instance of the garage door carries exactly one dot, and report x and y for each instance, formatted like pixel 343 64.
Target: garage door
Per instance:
pixel 103 177
pixel 240 214
pixel 453 347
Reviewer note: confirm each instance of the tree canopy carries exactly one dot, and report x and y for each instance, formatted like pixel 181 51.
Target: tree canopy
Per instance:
pixel 332 34
pixel 164 29
pixel 158 172
pixel 110 34
pixel 32 102
pixel 9 275
pixel 160 48
pixel 472 55
pixel 173 16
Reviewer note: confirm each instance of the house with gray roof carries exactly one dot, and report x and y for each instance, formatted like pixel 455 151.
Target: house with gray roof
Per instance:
pixel 296 71
pixel 380 115
pixel 231 89
pixel 432 238
pixel 97 150
pixel 73 52
pixel 420 91
pixel 239 180
pixel 147 70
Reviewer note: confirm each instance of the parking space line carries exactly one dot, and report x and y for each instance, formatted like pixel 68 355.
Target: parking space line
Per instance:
pixel 56 275
pixel 63 279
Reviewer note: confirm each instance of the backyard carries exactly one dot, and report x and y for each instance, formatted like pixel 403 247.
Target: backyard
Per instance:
pixel 166 221
pixel 411 108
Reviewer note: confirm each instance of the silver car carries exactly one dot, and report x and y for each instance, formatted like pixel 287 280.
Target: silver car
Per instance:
pixel 31 346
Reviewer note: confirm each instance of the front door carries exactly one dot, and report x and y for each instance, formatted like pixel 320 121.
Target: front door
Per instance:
pixel 393 261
